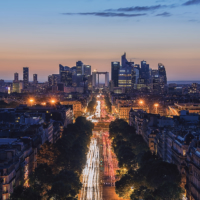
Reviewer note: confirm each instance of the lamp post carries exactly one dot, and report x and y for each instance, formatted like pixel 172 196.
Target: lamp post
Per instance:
pixel 31 100
pixel 53 102
pixel 141 102
pixel 156 106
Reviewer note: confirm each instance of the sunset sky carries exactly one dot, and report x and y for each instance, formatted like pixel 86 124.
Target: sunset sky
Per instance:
pixel 42 34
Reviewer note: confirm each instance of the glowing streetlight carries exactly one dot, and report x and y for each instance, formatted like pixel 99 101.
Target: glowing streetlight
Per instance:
pixel 53 101
pixel 31 100
pixel 156 106
pixel 141 102
pixel 44 103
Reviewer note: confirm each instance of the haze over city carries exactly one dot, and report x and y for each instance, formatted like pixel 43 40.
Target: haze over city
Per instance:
pixel 41 34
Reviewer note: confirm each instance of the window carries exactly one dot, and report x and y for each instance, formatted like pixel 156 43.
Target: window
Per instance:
pixel 4 197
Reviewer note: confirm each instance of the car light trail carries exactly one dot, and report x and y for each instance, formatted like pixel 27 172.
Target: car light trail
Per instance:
pixel 91 181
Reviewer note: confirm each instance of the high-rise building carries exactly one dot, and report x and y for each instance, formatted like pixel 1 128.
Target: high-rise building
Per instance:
pixel 144 72
pixel 124 60
pixel 115 66
pixel 125 77
pixel 16 77
pixel 66 78
pixel 79 68
pixel 61 68
pixel 162 73
pixel 87 70
pixel 74 76
pixel 94 78
pixel 50 80
pixel 107 79
pixel 35 78
pixel 55 79
pixel 26 77
pixel 155 81
pixel 163 77
pixel 134 76
pixel 17 86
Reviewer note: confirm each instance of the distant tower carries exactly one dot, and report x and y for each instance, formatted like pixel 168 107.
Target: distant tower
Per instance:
pixel 145 72
pixel 16 77
pixel 79 68
pixel 115 66
pixel 61 68
pixel 35 78
pixel 163 77
pixel 87 70
pixel 124 60
pixel 162 73
pixel 26 76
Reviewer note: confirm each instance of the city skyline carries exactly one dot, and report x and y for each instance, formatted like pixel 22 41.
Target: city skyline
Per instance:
pixel 41 36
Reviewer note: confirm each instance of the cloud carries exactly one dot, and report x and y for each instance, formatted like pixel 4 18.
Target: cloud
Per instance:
pixel 106 14
pixel 194 20
pixel 191 2
pixel 165 14
pixel 138 8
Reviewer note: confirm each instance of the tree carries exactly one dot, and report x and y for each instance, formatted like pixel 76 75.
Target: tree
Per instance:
pixel 48 153
pixel 22 193
pixel 153 179
pixel 91 105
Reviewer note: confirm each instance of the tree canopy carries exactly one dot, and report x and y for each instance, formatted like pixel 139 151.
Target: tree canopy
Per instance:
pixel 92 105
pixel 143 175
pixel 59 165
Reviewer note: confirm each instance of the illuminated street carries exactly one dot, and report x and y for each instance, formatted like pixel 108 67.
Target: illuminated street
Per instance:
pixel 92 180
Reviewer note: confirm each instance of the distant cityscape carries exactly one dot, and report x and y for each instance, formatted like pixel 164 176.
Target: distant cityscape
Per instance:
pixel 124 76
pixel 100 134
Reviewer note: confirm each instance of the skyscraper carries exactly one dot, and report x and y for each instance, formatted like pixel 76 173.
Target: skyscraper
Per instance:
pixel 124 77
pixel 26 77
pixel 155 81
pixel 94 78
pixel 134 76
pixel 35 78
pixel 124 60
pixel 55 79
pixel 87 70
pixel 16 77
pixel 50 80
pixel 79 68
pixel 107 79
pixel 66 78
pixel 115 66
pixel 162 73
pixel 61 68
pixel 144 72
pixel 163 77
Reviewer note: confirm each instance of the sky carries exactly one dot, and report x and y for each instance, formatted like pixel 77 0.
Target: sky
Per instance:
pixel 42 34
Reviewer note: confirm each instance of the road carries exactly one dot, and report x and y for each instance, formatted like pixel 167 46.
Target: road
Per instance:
pixel 99 171
pixel 91 177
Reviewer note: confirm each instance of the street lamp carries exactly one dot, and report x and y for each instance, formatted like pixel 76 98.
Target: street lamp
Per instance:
pixel 31 100
pixel 141 102
pixel 156 106
pixel 53 101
